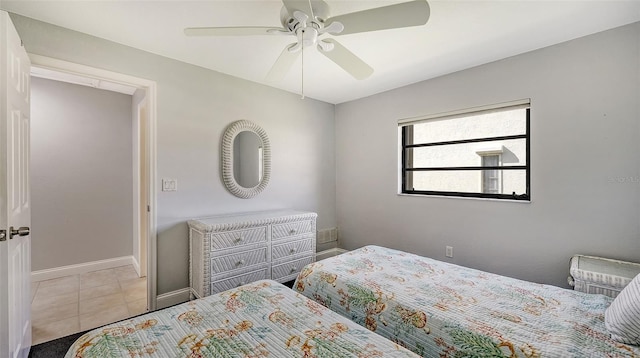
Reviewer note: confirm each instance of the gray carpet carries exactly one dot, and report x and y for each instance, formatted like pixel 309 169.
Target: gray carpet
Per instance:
pixel 54 349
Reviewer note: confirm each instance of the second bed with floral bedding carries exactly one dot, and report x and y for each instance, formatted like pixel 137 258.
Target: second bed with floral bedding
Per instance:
pixel 438 309
pixel 262 319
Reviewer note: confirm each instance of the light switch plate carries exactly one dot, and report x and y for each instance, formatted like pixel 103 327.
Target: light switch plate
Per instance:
pixel 169 184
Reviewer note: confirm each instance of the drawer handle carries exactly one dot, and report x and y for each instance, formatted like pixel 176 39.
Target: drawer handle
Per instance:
pixel 293 269
pixel 294 249
pixel 292 231
pixel 240 239
pixel 241 284
pixel 239 263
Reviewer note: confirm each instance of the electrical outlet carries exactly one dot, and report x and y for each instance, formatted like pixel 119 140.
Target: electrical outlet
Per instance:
pixel 449 251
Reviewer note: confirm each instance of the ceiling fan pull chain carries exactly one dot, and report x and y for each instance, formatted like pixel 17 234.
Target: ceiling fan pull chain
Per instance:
pixel 302 72
pixel 302 67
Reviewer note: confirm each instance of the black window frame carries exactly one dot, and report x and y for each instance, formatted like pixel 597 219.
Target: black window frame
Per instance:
pixel 405 130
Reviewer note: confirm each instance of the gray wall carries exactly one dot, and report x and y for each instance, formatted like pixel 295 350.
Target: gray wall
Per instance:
pixel 194 107
pixel 81 179
pixel 585 176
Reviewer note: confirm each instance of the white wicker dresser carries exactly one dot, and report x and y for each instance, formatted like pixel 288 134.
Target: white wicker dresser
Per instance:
pixel 592 274
pixel 231 250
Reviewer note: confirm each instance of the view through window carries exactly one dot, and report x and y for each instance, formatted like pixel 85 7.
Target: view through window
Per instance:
pixel 476 153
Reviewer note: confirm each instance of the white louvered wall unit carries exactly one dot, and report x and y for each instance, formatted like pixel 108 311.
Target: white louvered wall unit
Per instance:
pixel 231 250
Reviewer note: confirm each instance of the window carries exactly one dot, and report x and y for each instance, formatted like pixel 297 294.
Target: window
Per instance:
pixel 491 178
pixel 481 152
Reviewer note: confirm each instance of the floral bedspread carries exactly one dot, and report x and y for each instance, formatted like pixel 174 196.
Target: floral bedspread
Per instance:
pixel 437 309
pixel 262 319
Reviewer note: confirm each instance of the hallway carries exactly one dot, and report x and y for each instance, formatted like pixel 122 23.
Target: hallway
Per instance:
pixel 72 304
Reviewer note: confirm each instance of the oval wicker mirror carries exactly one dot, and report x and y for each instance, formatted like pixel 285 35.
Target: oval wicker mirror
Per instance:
pixel 246 159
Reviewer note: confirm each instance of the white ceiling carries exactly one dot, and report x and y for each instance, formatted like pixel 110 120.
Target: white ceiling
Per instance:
pixel 459 35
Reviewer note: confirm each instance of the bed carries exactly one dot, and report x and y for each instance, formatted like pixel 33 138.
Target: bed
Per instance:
pixel 261 319
pixel 437 309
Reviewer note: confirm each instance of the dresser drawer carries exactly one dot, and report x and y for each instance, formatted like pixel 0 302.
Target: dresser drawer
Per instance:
pixel 227 239
pixel 235 281
pixel 291 229
pixel 222 264
pixel 289 268
pixel 291 248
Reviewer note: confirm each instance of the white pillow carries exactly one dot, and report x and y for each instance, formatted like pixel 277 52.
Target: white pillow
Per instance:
pixel 622 318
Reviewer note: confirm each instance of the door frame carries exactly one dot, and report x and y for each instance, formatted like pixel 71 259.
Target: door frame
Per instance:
pixel 150 88
pixel 140 169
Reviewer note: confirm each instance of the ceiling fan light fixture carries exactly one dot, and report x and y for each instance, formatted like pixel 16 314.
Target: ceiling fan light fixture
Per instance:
pixel 294 47
pixel 301 17
pixel 309 36
pixel 325 46
pixel 334 28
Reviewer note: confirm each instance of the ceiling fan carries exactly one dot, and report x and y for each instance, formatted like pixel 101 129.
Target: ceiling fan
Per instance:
pixel 309 21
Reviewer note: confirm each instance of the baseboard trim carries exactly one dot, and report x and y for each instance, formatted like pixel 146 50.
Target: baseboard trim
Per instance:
pixel 136 265
pixel 78 269
pixel 173 298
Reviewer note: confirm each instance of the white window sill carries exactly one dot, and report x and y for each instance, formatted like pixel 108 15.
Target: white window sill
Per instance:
pixel 466 198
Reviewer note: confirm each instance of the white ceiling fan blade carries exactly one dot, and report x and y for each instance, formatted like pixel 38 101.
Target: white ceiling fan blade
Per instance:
pixel 283 64
pixel 406 14
pixel 297 5
pixel 347 60
pixel 232 31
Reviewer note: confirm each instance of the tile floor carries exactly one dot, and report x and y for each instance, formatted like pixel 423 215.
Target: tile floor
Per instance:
pixel 67 305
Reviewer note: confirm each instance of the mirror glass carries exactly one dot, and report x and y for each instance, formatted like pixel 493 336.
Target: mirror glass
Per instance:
pixel 247 159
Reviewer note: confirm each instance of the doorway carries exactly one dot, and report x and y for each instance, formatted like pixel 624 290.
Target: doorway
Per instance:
pixel 143 169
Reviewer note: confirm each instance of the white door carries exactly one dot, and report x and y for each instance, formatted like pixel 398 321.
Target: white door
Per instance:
pixel 15 201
